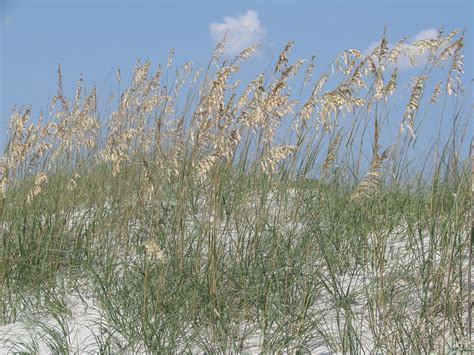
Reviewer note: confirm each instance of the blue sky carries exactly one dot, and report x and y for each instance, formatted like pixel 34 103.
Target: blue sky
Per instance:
pixel 96 37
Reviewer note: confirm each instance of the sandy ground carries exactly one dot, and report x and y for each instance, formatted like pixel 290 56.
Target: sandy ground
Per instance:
pixel 82 324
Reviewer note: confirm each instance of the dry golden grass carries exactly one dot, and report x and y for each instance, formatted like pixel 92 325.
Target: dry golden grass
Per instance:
pixel 148 122
pixel 251 196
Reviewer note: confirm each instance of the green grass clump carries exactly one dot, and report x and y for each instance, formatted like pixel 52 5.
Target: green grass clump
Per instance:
pixel 193 224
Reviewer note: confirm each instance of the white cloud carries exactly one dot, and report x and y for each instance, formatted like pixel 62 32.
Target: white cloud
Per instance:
pixel 6 20
pixel 426 34
pixel 403 61
pixel 242 32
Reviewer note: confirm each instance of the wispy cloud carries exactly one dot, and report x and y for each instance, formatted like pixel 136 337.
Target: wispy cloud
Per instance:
pixel 6 17
pixel 6 20
pixel 403 61
pixel 242 32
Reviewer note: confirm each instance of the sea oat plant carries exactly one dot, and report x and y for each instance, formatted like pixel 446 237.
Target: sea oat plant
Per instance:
pixel 202 213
